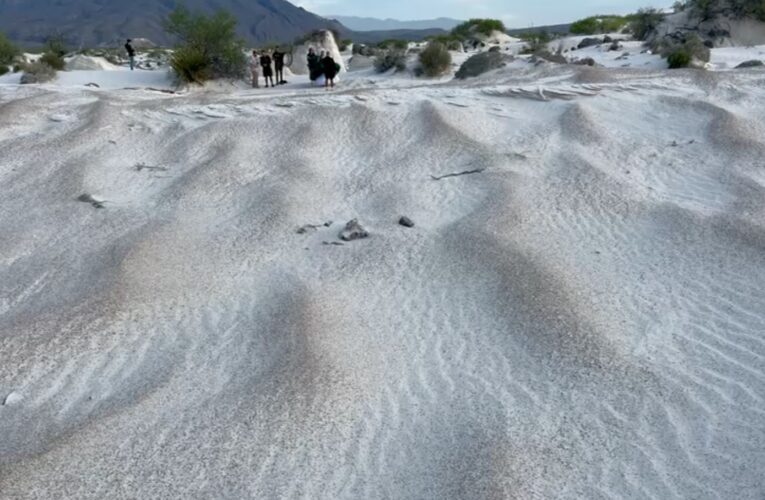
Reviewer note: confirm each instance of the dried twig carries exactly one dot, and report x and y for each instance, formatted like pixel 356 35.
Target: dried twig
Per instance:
pixel 467 172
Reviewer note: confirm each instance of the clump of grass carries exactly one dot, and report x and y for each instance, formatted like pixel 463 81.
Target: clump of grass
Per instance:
pixel 435 59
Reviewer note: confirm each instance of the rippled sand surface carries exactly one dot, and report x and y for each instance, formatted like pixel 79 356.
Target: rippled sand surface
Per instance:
pixel 585 318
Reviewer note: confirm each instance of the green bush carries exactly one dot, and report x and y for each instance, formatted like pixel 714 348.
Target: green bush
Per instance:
pixel 208 46
pixel 4 69
pixel 56 45
pixel 393 44
pixel 598 24
pixel 473 26
pixel 191 65
pixel 679 59
pixel 389 59
pixel 435 59
pixel 535 41
pixel 645 22
pixel 53 60
pixel 344 44
pixel 8 51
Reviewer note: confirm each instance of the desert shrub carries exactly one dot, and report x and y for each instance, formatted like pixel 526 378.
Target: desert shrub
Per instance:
pixel 450 41
pixel 680 58
pixel 393 44
pixel 54 60
pixel 56 45
pixel 208 45
pixel 8 51
pixel 390 59
pixel 535 41
pixel 435 59
pixel 740 8
pixel 473 26
pixel 645 22
pixel 598 24
pixel 344 44
pixel 191 65
pixel 4 69
pixel 37 72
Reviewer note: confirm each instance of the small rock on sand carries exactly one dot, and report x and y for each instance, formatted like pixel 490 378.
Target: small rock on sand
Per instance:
pixel 353 231
pixel 406 221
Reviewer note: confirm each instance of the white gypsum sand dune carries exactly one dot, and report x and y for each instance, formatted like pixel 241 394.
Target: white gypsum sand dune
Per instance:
pixel 584 318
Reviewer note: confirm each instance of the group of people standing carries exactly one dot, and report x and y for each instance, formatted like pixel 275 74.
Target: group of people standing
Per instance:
pixel 318 65
pixel 322 65
pixel 264 62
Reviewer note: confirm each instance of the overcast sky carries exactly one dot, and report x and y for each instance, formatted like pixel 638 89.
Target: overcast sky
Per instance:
pixel 515 13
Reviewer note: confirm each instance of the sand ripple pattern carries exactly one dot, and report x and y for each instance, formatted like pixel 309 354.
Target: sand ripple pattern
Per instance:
pixel 583 319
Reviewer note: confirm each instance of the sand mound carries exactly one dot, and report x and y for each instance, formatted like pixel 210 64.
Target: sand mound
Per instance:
pixel 87 63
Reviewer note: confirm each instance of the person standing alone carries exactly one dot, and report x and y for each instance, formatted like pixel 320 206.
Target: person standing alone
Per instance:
pixel 131 53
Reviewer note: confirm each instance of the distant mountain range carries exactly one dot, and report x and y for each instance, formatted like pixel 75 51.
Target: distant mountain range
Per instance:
pixel 91 23
pixel 374 24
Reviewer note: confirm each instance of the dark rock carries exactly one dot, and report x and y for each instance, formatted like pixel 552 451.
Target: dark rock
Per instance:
pixel 750 64
pixel 709 44
pixel 587 61
pixel 615 46
pixel 353 231
pixel 718 33
pixel 607 39
pixel 495 49
pixel 86 198
pixel 406 221
pixel 589 42
pixel 481 63
pixel 94 85
pixel 550 57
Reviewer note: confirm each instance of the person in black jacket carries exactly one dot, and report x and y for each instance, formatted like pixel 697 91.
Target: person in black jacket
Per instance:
pixel 314 65
pixel 131 53
pixel 279 66
pixel 268 72
pixel 330 70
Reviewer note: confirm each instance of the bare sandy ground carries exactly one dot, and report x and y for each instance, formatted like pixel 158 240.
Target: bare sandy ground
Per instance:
pixel 585 318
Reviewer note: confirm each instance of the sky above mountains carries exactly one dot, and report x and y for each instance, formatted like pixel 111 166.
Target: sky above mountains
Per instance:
pixel 515 13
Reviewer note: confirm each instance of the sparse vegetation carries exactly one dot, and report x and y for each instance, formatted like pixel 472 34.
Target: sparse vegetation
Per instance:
pixel 53 60
pixel 450 41
pixel 599 24
pixel 8 52
pixel 385 60
pixel 393 45
pixel 740 8
pixel 536 41
pixel 644 22
pixel 344 44
pixel 37 72
pixel 476 26
pixel 680 58
pixel 479 64
pixel 208 48
pixel 435 59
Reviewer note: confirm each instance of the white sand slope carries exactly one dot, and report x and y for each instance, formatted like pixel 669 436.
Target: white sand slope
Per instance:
pixel 583 319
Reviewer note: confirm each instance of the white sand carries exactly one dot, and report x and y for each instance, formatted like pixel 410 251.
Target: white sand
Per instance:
pixel 584 319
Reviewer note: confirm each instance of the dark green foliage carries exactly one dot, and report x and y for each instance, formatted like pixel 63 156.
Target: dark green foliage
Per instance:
pixel 474 26
pixel 645 22
pixel 389 59
pixel 598 24
pixel 344 44
pixel 208 45
pixel 4 69
pixel 8 51
pixel 393 44
pixel 536 41
pixel 191 65
pixel 680 58
pixel 56 45
pixel 435 59
pixel 450 41
pixel 53 60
